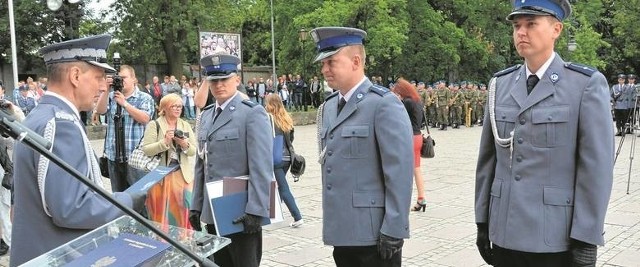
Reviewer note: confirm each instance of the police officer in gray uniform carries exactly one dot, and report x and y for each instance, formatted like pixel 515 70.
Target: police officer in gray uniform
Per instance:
pixel 619 98
pixel 366 151
pixel 545 167
pixel 631 102
pixel 234 139
pixel 52 207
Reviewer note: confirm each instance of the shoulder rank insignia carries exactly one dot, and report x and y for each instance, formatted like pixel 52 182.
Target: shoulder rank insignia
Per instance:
pixel 249 103
pixel 507 70
pixel 331 95
pixel 65 116
pixel 586 70
pixel 378 90
pixel 209 107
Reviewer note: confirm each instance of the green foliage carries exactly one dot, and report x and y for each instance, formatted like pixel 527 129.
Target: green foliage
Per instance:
pixel 35 27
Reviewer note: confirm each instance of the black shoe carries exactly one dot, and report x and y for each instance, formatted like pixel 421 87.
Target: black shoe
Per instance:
pixel 619 134
pixel 4 248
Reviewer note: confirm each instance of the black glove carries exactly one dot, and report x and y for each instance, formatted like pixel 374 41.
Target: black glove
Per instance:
pixel 387 246
pixel 251 223
pixel 583 254
pixel 483 243
pixel 194 220
pixel 138 200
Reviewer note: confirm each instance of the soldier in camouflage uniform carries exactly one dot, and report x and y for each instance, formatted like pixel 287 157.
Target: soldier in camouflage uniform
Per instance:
pixel 471 98
pixel 481 103
pixel 456 106
pixel 430 107
pixel 443 96
pixel 422 92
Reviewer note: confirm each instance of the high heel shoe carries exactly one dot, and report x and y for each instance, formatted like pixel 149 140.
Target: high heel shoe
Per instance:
pixel 421 204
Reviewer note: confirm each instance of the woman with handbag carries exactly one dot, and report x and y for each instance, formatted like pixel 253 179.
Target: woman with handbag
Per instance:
pixel 408 94
pixel 168 202
pixel 283 128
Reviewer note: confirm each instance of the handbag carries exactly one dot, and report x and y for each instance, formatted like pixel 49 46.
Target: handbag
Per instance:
pixel 104 165
pixel 139 160
pixel 427 151
pixel 298 163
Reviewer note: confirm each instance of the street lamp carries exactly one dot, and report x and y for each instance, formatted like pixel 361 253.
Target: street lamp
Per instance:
pixel 70 15
pixel 54 5
pixel 303 39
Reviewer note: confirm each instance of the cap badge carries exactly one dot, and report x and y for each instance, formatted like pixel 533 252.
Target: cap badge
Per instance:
pixel 215 60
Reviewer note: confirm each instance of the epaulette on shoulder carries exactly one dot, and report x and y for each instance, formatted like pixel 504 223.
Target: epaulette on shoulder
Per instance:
pixel 332 95
pixel 379 90
pixel 249 103
pixel 64 116
pixel 586 70
pixel 507 70
pixel 209 106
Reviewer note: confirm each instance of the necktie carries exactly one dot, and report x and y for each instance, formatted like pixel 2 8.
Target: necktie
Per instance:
pixel 341 104
pixel 531 82
pixel 218 111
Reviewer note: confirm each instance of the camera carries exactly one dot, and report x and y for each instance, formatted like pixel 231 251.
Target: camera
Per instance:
pixel 118 83
pixel 180 134
pixel 4 104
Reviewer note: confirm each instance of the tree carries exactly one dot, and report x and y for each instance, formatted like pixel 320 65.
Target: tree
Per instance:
pixel 37 26
pixel 145 27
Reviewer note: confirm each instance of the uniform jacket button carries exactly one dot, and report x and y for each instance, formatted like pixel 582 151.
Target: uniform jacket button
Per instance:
pixel 328 170
pixel 518 177
pixel 328 186
pixel 519 158
pixel 373 201
pixel 523 121
pixel 329 153
pixel 331 136
pixel 520 140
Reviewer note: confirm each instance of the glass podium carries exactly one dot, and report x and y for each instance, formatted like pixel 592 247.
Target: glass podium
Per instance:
pixel 200 243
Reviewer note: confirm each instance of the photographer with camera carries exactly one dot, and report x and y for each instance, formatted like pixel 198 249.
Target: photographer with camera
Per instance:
pixel 172 138
pixel 137 109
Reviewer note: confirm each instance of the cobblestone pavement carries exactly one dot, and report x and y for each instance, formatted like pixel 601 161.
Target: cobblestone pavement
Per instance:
pixel 444 235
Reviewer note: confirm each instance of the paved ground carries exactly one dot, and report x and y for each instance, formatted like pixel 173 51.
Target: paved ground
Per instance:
pixel 444 235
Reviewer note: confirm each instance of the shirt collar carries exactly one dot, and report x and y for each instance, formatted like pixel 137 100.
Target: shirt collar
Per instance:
pixel 543 68
pixel 348 95
pixel 226 103
pixel 75 110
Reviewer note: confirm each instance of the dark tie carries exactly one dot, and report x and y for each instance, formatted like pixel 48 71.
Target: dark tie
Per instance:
pixel 341 104
pixel 218 111
pixel 531 82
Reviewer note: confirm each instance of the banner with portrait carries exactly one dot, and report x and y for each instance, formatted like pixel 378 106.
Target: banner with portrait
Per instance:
pixel 216 42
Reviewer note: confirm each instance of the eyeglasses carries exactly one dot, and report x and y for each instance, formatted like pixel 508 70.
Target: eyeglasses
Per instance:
pixel 176 106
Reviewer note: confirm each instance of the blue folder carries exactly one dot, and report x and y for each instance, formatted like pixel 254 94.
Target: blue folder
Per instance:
pixel 228 208
pixel 125 250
